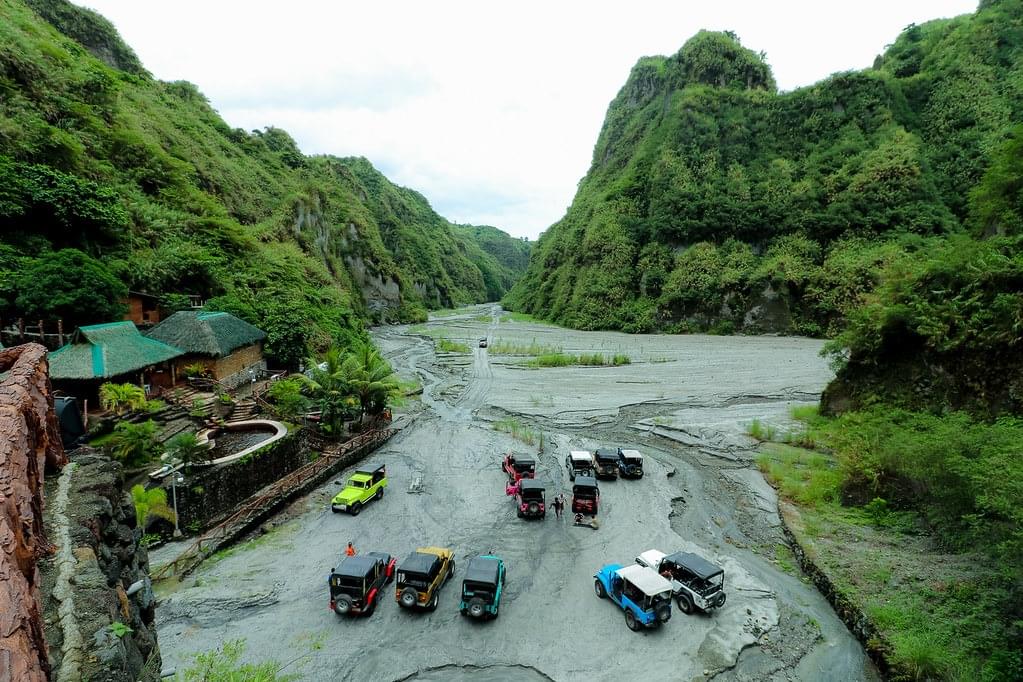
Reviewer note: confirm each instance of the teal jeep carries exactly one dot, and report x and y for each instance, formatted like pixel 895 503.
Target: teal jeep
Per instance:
pixel 482 587
pixel 363 486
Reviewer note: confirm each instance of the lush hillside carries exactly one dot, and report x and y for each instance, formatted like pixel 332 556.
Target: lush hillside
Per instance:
pixel 503 258
pixel 714 202
pixel 161 195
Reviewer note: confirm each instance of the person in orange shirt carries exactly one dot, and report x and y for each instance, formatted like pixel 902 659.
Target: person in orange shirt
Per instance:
pixel 349 551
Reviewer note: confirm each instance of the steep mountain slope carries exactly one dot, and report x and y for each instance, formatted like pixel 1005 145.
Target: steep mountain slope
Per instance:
pixel 713 202
pixel 144 175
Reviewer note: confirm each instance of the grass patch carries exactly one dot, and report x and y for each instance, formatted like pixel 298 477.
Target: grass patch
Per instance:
pixel 449 346
pixel 785 559
pixel 500 347
pixel 512 316
pixel 808 478
pixel 517 430
pixel 586 359
pixel 761 431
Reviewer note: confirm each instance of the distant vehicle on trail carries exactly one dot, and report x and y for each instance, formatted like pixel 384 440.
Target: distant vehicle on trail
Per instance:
pixel 630 463
pixel 605 463
pixel 518 467
pixel 579 463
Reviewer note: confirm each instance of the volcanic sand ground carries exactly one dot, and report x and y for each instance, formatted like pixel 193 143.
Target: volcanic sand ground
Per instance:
pixel 685 402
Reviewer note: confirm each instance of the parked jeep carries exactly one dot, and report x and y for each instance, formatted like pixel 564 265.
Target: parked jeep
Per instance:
pixel 585 495
pixel 483 342
pixel 529 499
pixel 482 587
pixel 364 485
pixel 579 463
pixel 630 463
pixel 644 595
pixel 518 467
pixel 695 582
pixel 605 463
pixel 421 575
pixel 358 581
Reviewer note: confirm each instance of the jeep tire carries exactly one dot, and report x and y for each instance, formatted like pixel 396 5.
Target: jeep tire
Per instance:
pixel 685 604
pixel 432 604
pixel 477 609
pixel 451 572
pixel 356 508
pixel 408 598
pixel 380 493
pixel 519 513
pixel 343 605
pixel 598 587
pixel 631 622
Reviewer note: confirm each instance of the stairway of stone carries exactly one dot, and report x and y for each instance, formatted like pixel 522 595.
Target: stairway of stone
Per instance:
pixel 244 410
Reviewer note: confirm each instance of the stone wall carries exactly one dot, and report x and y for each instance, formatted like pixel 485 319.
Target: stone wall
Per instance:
pixel 98 599
pixel 29 446
pixel 208 494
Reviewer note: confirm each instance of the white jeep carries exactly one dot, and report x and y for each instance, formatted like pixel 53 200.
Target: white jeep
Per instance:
pixel 695 582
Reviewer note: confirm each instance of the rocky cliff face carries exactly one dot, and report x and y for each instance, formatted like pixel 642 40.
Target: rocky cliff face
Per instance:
pixel 29 445
pixel 98 598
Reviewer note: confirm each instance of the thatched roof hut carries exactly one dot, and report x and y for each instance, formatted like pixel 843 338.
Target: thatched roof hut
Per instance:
pixel 211 334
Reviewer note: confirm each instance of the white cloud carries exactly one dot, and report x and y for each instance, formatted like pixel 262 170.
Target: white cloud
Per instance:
pixel 489 109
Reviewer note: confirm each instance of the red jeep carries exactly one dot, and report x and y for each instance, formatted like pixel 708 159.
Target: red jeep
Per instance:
pixel 529 499
pixel 519 467
pixel 585 495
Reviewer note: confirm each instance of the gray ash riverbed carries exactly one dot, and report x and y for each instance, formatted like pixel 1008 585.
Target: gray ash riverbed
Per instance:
pixel 684 401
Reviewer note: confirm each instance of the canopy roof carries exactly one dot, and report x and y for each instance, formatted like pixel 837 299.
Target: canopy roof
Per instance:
pixel 103 351
pixel 531 484
pixel 420 562
pixel 646 579
pixel 581 456
pixel 697 564
pixel 200 332
pixel 607 454
pixel 632 454
pixel 585 482
pixel 483 570
pixel 357 566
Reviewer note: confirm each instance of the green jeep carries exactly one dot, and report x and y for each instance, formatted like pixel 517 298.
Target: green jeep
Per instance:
pixel 363 486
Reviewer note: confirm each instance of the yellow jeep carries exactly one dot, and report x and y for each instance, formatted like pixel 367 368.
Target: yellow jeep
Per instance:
pixel 421 575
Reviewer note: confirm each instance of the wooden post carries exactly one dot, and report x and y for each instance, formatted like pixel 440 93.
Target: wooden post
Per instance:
pixel 42 334
pixel 21 330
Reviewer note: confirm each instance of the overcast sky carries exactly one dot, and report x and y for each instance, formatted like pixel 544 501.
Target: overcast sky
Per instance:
pixel 491 110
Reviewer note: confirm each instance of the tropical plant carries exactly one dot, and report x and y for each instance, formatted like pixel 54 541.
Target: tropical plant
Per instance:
pixel 329 386
pixel 370 379
pixel 71 286
pixel 187 448
pixel 122 398
pixel 222 665
pixel 133 444
pixel 150 504
pixel 287 397
pixel 194 370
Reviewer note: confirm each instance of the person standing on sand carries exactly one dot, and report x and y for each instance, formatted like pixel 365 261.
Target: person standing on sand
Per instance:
pixel 349 550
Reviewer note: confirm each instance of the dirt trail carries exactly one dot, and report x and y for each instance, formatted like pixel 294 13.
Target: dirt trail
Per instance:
pixel 683 402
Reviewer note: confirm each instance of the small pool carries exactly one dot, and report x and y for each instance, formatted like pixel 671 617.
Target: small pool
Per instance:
pixel 231 442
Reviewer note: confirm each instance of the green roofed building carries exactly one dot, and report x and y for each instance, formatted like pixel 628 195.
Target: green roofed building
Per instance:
pixel 115 352
pixel 230 349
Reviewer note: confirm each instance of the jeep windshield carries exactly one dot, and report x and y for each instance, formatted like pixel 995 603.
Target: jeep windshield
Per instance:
pixel 522 464
pixel 420 581
pixel 347 581
pixel 474 586
pixel 357 483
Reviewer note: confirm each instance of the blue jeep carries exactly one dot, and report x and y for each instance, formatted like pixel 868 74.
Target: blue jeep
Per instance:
pixel 644 595
pixel 482 587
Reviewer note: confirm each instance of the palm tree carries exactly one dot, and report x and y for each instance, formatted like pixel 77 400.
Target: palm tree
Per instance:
pixel 370 379
pixel 328 383
pixel 121 397
pixel 134 444
pixel 150 504
pixel 186 447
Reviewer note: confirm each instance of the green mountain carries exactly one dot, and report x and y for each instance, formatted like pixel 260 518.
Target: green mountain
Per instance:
pixel 713 202
pixel 155 192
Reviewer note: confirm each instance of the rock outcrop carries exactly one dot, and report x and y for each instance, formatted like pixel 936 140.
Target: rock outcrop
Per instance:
pixel 30 444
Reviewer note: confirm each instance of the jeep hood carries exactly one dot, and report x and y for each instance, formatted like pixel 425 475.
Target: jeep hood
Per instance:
pixel 348 495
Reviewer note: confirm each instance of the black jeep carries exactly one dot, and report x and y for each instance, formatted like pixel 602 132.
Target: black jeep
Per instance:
pixel 529 500
pixel 357 583
pixel 606 463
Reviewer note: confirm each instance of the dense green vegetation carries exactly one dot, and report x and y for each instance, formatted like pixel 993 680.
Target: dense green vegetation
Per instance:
pixel 713 201
pixel 944 484
pixel 143 186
